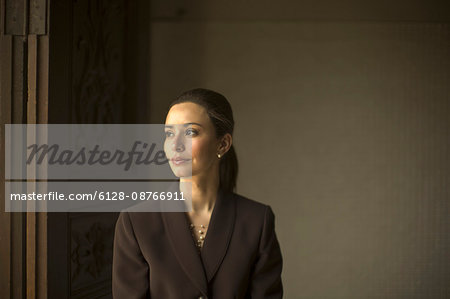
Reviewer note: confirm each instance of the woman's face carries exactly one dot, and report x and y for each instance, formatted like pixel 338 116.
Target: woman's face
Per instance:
pixel 191 143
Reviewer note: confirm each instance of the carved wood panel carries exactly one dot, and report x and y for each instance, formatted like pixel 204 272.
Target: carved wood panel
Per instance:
pixel 91 253
pixel 95 56
pixel 98 58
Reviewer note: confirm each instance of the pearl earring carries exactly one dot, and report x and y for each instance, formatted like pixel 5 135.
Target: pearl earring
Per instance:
pixel 218 155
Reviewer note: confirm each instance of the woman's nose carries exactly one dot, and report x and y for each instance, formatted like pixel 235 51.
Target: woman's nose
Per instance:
pixel 178 144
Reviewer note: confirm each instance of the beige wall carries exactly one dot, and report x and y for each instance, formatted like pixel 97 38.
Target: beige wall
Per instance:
pixel 343 128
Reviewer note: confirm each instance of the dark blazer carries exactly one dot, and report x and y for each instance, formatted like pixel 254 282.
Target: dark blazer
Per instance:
pixel 155 255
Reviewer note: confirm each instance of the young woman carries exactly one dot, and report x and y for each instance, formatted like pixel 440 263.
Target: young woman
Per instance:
pixel 226 247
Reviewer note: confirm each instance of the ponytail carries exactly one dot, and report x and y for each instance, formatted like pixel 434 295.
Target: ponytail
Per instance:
pixel 228 171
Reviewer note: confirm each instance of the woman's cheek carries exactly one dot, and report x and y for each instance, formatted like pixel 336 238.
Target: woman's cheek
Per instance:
pixel 199 151
pixel 166 149
pixel 193 149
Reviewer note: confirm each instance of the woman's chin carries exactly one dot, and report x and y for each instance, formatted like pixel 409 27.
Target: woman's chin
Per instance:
pixel 182 174
pixel 181 171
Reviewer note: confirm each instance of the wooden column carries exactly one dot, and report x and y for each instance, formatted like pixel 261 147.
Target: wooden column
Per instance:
pixel 24 99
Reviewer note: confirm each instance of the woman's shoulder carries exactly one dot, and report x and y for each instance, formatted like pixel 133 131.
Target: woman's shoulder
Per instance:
pixel 251 207
pixel 248 202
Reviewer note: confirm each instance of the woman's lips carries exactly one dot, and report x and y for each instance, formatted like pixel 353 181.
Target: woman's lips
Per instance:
pixel 179 161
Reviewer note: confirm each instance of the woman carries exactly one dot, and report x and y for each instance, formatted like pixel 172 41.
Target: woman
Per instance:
pixel 226 247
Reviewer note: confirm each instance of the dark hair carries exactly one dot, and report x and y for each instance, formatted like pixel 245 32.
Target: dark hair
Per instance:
pixel 221 115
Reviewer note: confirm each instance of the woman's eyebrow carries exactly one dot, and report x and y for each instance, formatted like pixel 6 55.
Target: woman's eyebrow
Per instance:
pixel 184 125
pixel 187 124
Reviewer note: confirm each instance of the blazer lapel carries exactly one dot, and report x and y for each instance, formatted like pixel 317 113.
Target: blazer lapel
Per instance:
pixel 201 268
pixel 181 240
pixel 219 233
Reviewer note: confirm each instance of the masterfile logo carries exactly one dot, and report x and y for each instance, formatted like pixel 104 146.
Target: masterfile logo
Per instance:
pixel 86 151
pixel 140 153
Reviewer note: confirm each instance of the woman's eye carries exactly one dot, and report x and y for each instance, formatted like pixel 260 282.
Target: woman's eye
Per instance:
pixel 191 132
pixel 169 134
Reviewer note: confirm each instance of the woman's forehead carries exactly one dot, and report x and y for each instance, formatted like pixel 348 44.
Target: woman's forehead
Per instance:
pixel 187 113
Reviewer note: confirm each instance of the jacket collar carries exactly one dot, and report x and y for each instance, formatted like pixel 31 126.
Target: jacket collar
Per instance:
pixel 202 268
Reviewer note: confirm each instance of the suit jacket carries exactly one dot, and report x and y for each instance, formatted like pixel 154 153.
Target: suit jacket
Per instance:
pixel 155 255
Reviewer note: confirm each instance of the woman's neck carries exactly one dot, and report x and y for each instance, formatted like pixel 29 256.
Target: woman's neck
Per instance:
pixel 202 190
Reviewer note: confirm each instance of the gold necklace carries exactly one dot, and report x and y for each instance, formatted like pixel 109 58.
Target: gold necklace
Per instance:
pixel 201 229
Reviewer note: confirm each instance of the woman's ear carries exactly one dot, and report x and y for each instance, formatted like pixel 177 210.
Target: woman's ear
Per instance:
pixel 225 143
